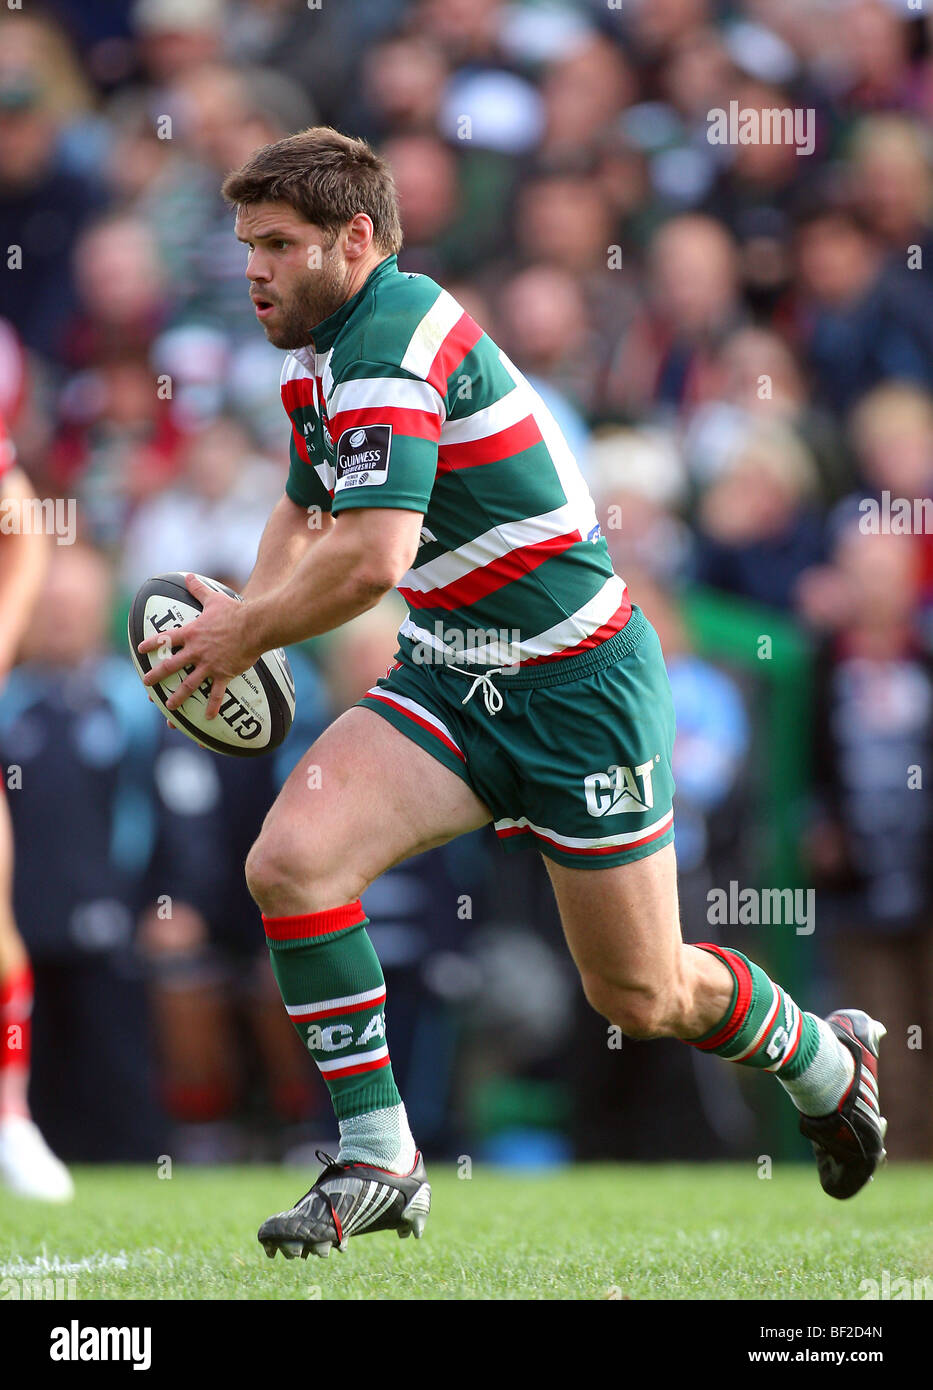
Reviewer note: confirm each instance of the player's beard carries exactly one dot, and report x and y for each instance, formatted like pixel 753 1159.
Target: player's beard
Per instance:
pixel 317 295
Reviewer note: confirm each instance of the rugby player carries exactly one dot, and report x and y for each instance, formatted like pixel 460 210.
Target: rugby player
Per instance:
pixel 27 1165
pixel 527 690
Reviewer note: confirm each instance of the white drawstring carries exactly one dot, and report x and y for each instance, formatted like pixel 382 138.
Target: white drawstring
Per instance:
pixel 491 696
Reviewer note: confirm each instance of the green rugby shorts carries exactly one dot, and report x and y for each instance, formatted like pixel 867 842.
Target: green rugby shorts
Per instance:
pixel 572 757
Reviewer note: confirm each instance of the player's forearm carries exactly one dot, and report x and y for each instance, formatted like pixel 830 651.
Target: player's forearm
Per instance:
pixel 23 561
pixel 334 582
pixel 24 556
pixel 285 541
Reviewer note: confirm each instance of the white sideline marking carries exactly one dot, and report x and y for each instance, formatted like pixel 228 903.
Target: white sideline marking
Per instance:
pixel 88 1264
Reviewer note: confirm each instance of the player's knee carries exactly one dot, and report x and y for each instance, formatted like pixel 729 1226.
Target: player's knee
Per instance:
pixel 259 873
pixel 286 877
pixel 270 873
pixel 641 1011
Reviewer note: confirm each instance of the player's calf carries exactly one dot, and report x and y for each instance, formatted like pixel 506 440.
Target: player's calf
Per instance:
pixel 653 1009
pixel 677 996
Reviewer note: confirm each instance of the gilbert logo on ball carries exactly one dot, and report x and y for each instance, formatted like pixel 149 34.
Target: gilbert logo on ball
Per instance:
pixel 258 706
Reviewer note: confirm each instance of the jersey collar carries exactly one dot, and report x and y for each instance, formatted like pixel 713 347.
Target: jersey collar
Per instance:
pixel 325 333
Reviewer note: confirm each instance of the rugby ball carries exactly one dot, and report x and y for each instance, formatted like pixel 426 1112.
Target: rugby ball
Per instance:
pixel 258 707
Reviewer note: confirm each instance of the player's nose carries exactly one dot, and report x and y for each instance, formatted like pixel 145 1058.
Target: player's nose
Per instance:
pixel 256 269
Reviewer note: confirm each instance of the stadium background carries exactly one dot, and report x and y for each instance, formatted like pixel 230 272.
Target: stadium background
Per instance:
pixel 738 343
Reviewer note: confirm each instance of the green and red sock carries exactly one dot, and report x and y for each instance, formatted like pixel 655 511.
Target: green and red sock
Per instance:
pixel 334 990
pixel 764 1028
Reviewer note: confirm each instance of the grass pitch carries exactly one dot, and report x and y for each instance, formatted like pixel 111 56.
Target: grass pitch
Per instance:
pixel 593 1232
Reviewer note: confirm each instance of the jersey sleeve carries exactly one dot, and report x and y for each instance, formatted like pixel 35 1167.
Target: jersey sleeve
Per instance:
pixel 385 424
pixel 308 481
pixel 304 484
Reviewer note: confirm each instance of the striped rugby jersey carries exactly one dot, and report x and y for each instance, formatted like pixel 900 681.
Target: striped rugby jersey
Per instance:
pixel 403 401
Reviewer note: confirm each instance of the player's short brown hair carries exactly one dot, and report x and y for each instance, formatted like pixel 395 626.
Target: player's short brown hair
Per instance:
pixel 325 176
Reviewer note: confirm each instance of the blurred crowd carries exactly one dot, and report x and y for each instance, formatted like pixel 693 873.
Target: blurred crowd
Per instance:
pixel 737 340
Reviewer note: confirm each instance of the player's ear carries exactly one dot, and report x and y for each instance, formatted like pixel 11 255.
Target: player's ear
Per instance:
pixel 359 236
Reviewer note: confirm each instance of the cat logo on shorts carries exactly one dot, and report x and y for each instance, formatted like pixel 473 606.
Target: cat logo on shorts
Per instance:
pixel 616 790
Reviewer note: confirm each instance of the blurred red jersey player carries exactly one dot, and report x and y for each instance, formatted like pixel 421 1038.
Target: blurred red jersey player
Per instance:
pixel 27 1165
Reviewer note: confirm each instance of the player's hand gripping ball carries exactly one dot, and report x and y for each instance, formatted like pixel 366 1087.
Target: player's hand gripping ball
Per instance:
pixel 257 709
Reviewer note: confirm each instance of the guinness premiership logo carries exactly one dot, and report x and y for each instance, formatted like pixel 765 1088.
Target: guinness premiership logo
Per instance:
pixel 363 457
